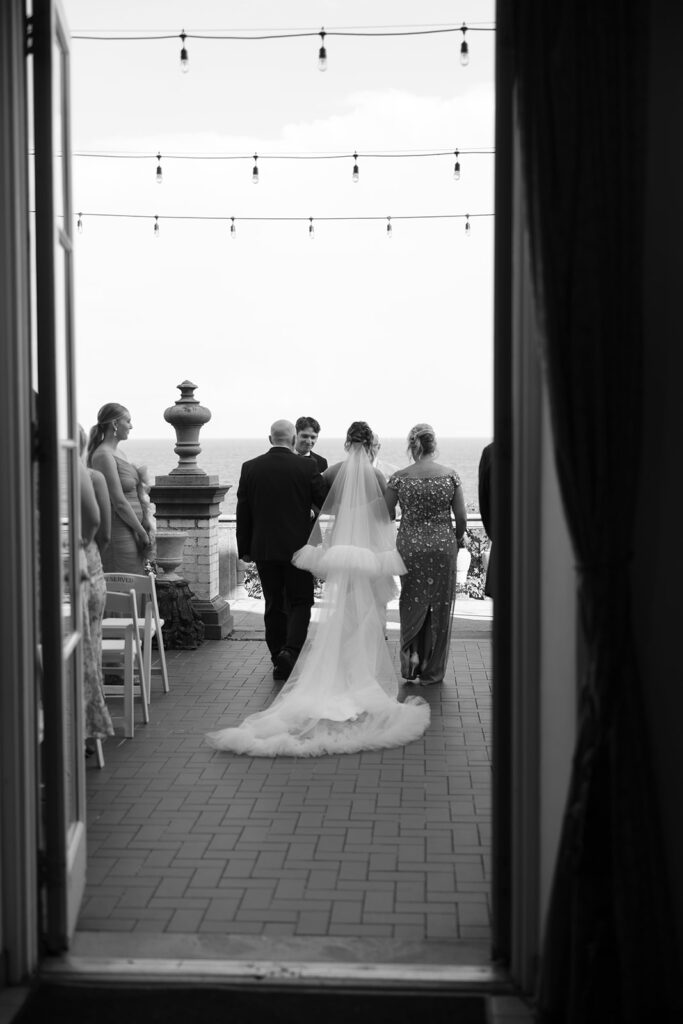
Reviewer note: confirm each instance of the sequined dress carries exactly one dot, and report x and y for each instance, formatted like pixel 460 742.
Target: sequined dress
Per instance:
pixel 426 542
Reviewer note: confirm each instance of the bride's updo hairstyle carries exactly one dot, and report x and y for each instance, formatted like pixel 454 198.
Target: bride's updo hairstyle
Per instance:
pixel 421 441
pixel 359 433
pixel 107 414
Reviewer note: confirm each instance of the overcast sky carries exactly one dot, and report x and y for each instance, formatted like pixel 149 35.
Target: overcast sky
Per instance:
pixel 351 325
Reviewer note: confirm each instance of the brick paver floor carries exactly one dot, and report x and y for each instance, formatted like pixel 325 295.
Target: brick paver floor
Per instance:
pixel 389 844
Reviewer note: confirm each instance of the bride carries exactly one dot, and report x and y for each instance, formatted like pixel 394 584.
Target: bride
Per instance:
pixel 342 694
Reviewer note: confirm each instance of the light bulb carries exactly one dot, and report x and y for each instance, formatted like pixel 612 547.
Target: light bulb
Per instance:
pixel 464 48
pixel 254 172
pixel 156 227
pixel 467 225
pixel 233 229
pixel 322 54
pixel 184 59
pixel 311 229
pixel 456 168
pixel 355 175
pixel 390 230
pixel 159 173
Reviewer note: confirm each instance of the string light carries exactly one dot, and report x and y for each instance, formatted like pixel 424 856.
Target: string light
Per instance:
pixel 322 52
pixel 378 154
pixel 159 173
pixel 464 48
pixel 390 230
pixel 467 225
pixel 233 229
pixel 254 172
pixel 79 224
pixel 311 229
pixel 456 168
pixel 354 174
pixel 184 59
pixel 354 217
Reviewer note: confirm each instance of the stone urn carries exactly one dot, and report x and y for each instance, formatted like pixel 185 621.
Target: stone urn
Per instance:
pixel 170 544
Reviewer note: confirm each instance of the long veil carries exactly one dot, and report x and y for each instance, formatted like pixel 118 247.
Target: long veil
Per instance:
pixel 342 694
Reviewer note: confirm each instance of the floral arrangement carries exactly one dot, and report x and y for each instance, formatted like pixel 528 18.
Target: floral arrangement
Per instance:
pixel 478 545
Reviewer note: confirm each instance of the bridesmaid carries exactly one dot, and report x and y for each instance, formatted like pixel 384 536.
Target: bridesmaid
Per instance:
pixel 95 526
pixel 130 545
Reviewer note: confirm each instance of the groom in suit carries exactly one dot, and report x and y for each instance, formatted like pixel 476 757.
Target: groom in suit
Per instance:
pixel 307 430
pixel 274 498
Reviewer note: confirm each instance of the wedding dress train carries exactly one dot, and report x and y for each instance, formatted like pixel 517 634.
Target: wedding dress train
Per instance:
pixel 342 695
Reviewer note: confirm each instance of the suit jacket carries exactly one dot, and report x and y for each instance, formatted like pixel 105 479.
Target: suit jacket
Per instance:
pixel 485 471
pixel 320 459
pixel 274 498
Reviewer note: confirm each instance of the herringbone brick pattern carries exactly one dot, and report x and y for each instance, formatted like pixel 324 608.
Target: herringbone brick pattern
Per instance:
pixel 388 844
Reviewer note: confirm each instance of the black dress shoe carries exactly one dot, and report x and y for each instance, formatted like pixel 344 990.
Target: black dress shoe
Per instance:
pixel 283 664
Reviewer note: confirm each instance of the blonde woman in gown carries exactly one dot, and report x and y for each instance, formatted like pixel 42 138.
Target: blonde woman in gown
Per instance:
pixel 132 534
pixel 342 695
pixel 433 523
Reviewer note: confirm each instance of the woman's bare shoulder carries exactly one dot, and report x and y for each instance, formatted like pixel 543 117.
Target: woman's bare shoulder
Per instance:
pixel 102 457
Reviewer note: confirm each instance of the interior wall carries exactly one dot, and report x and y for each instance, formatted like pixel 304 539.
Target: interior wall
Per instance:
pixel 658 563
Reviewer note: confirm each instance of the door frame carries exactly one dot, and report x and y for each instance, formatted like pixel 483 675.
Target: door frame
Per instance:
pixel 59 485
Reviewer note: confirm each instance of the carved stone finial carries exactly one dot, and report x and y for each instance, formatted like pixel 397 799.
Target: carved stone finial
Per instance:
pixel 187 417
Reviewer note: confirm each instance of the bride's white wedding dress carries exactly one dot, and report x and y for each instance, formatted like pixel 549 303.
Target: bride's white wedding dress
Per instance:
pixel 342 694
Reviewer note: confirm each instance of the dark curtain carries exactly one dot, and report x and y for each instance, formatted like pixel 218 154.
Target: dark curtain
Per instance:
pixel 580 74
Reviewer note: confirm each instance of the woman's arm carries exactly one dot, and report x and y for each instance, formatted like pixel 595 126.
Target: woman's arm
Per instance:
pixel 105 462
pixel 459 511
pixel 103 535
pixel 90 513
pixel 391 498
pixel 381 480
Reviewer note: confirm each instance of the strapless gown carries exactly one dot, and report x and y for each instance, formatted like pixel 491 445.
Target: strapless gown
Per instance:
pixel 123 554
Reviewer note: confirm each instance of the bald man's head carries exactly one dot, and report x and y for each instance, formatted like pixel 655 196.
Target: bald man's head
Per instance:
pixel 282 433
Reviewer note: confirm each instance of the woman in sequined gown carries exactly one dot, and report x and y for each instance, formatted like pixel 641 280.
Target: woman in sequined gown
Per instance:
pixel 430 497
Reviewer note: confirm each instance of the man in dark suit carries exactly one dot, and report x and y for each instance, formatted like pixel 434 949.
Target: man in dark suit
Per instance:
pixel 307 430
pixel 274 498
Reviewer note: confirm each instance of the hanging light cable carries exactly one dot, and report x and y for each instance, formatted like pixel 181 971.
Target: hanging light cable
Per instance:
pixel 456 167
pixel 464 48
pixel 160 173
pixel 254 171
pixel 355 175
pixel 184 59
pixel 322 52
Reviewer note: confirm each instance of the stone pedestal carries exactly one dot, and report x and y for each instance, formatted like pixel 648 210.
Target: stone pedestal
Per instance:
pixel 183 627
pixel 189 500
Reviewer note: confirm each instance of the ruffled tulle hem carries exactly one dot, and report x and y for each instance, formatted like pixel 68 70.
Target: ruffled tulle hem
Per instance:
pixel 366 732
pixel 321 561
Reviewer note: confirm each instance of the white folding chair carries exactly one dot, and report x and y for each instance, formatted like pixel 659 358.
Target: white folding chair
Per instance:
pixel 149 621
pixel 122 656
